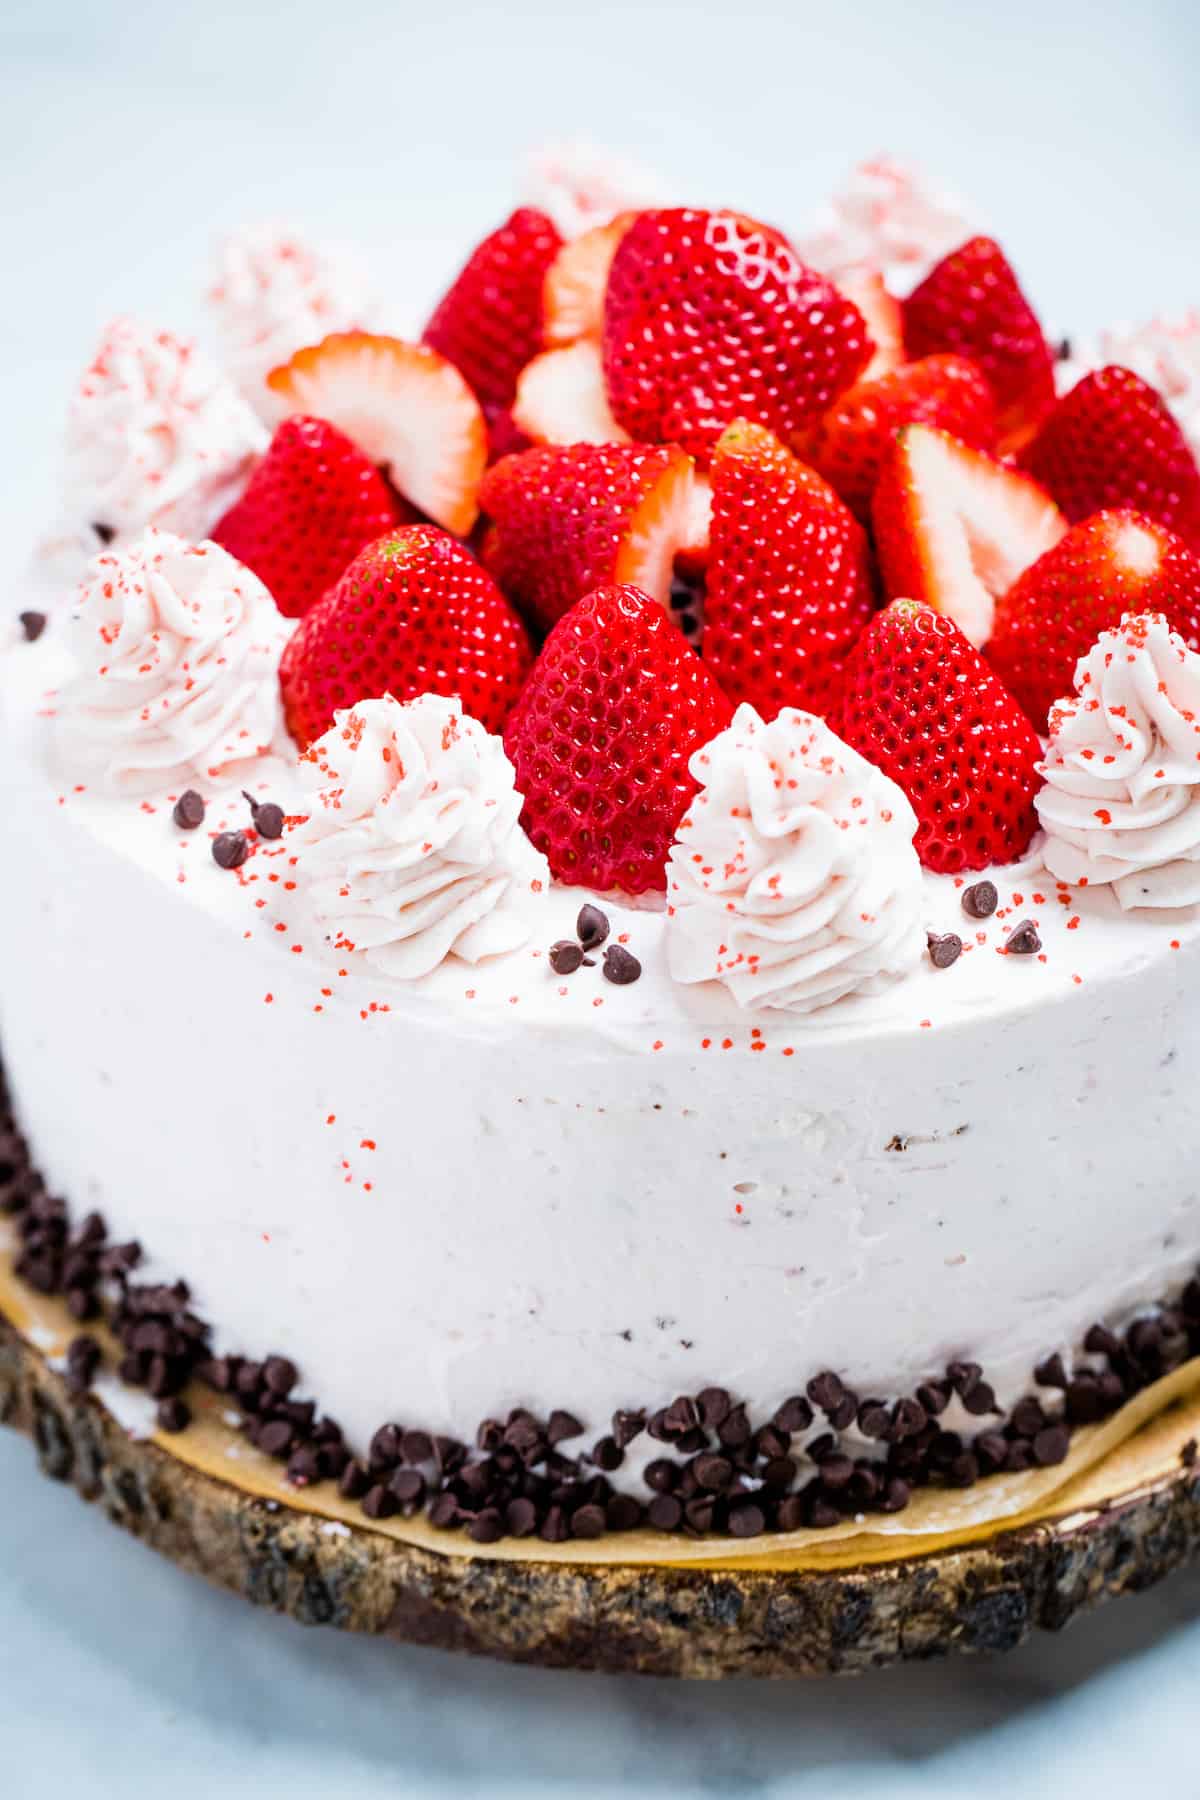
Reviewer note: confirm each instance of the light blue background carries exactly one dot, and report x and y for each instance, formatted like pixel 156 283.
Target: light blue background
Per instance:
pixel 128 135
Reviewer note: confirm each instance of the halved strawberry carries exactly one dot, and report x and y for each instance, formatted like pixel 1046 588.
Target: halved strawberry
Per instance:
pixel 405 407
pixel 601 738
pixel 561 398
pixel 849 444
pixel 573 517
pixel 884 317
pixel 413 614
pixel 971 303
pixel 311 504
pixel 789 578
pixel 710 317
pixel 924 707
pixel 573 291
pixel 954 527
pixel 1111 564
pixel 1113 441
pixel 489 323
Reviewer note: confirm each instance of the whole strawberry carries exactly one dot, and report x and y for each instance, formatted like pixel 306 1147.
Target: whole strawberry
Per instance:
pixel 1112 441
pixel 789 578
pixel 567 518
pixel 924 707
pixel 311 504
pixel 850 442
pixel 711 317
pixel 489 323
pixel 413 614
pixel 971 303
pixel 1112 564
pixel 601 736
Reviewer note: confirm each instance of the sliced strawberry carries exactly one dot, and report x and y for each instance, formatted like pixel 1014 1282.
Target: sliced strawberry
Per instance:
pixel 561 398
pixel 573 293
pixel 405 407
pixel 311 504
pixel 601 738
pixel 570 518
pixel 884 317
pixel 710 317
pixel 954 527
pixel 489 323
pixel 850 442
pixel 971 303
pixel 691 558
pixel 1113 441
pixel 789 578
pixel 924 707
pixel 505 436
pixel 1112 564
pixel 413 614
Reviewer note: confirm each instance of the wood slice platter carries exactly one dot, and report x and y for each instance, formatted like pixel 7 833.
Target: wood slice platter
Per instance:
pixel 1124 1523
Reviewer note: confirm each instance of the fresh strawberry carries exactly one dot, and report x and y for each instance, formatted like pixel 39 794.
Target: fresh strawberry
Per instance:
pixel 561 398
pixel 884 317
pixel 505 436
pixel 489 324
pixel 601 736
pixel 405 407
pixel 573 517
pixel 924 707
pixel 954 527
pixel 789 579
pixel 1112 441
pixel 971 303
pixel 413 614
pixel 573 292
pixel 311 504
pixel 710 317
pixel 1111 564
pixel 849 444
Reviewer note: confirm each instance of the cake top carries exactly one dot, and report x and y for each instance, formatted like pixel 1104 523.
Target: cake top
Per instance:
pixel 759 596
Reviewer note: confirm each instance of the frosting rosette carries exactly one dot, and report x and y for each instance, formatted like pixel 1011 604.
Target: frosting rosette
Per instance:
pixel 412 850
pixel 272 294
pixel 579 185
pixel 176 649
pixel 885 217
pixel 1121 804
pixel 793 877
pixel 1166 353
pixel 158 435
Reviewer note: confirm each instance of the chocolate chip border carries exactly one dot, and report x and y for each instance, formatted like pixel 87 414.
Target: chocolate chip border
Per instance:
pixel 720 1473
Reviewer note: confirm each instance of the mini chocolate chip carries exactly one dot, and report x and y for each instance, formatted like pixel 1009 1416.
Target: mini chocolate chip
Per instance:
pixel 1023 940
pixel 1085 1402
pixel 304 1466
pixel 661 1475
pixel 520 1516
pixel 714 1404
pixel 843 1415
pixel 416 1447
pixel 991 1450
pixel 623 1512
pixel 746 1519
pixel 1051 1373
pixel 790 1516
pixel 627 1425
pixel 821 1514
pixel 189 810
pixel 980 900
pixel 836 1470
pixel 352 1482
pixel 795 1414
pixel 1051 1445
pixel 896 1496
pixel 554 1527
pixel 943 950
pixel 826 1390
pixel 620 967
pixel 963 1376
pixel 275 1438
pixel 265 816
pixel 173 1414
pixel 908 1418
pixel 664 1512
pixel 565 957
pixel 444 1513
pixel 230 849
pixel 963 1472
pixel 385 1447
pixel 32 624
pixel 981 1399
pixel 379 1502
pixel 1019 1458
pixel 734 1429
pixel 1027 1417
pixel 280 1374
pixel 681 1416
pixel 713 1472
pixel 772 1442
pixel 408 1485
pixel 562 1425
pixel 874 1421
pixel 607 1454
pixel 1100 1341
pixel 589 1521
pixel 105 533
pixel 592 927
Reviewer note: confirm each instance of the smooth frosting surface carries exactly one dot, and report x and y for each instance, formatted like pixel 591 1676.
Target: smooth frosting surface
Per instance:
pixel 174 653
pixel 412 849
pixel 793 879
pixel 1121 803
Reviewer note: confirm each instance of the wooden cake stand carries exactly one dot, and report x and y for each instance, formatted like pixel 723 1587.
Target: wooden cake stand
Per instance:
pixel 213 1505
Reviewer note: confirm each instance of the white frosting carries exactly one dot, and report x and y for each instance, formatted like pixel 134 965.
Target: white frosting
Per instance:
pixel 412 850
pixel 1121 802
pixel 157 434
pixel 793 878
pixel 1165 352
pixel 885 217
pixel 176 655
pixel 272 294
pixel 579 185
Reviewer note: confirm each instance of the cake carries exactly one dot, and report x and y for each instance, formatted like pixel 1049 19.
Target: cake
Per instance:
pixel 601 927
